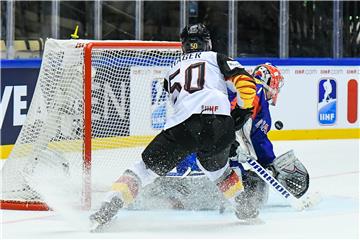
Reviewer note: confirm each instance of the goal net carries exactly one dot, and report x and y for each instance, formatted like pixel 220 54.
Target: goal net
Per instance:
pixel 95 107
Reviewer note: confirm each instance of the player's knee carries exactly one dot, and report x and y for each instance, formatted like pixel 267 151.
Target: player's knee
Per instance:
pixel 159 162
pixel 213 162
pixel 212 165
pixel 148 159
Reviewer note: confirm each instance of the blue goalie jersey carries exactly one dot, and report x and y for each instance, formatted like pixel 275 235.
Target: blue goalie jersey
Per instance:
pixel 260 127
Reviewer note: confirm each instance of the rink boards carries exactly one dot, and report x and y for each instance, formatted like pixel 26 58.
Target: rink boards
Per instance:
pixel 319 100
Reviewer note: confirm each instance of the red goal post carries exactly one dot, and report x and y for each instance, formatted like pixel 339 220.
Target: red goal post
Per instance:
pixel 21 196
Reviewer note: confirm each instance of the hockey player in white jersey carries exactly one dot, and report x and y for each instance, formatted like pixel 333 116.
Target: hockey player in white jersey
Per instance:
pixel 197 84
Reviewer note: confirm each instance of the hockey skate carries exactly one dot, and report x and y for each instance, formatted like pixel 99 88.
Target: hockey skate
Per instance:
pixel 254 196
pixel 105 214
pixel 245 209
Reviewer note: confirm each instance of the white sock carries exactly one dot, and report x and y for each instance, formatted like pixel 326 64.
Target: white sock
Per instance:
pixel 145 174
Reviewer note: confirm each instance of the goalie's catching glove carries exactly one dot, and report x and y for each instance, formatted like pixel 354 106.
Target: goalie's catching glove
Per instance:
pixel 240 116
pixel 291 173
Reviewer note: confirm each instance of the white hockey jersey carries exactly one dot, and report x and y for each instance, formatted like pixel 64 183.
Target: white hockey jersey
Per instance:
pixel 196 84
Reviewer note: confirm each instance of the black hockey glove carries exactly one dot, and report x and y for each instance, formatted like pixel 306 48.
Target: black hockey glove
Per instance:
pixel 233 149
pixel 240 116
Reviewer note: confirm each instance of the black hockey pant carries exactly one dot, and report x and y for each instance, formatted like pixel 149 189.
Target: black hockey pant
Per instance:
pixel 210 136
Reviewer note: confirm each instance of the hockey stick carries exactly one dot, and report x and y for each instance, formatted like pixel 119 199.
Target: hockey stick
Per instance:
pixel 307 201
pixel 248 153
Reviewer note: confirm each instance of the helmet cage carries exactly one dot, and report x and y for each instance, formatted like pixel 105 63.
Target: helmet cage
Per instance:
pixel 271 79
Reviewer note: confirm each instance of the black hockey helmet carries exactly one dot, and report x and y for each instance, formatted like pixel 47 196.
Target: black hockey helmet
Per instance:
pixel 195 38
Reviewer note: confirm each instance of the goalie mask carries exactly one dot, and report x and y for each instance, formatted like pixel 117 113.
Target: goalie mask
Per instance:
pixel 195 38
pixel 271 79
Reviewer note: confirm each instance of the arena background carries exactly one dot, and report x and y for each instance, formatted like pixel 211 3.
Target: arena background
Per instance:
pixel 311 41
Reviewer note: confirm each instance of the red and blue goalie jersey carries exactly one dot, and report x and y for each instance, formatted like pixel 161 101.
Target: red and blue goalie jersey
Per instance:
pixel 261 124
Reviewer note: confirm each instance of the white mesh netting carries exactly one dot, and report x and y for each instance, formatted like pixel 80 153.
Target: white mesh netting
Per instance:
pixel 128 108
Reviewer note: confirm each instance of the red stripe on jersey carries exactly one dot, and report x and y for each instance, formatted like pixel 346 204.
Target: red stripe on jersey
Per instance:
pixel 257 106
pixel 233 103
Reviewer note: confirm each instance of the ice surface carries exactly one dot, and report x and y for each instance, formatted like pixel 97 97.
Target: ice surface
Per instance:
pixel 333 166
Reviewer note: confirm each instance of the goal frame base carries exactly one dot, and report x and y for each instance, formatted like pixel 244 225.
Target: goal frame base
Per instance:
pixel 23 206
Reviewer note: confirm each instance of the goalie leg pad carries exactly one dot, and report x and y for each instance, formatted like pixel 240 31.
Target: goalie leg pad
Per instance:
pixel 291 173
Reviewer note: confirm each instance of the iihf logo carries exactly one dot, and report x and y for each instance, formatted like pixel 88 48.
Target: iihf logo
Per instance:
pixel 158 104
pixel 327 101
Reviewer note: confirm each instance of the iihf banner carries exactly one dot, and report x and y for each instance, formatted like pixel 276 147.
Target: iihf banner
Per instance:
pixel 327 101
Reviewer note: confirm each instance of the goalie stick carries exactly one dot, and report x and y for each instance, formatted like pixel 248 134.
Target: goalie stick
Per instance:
pixel 249 161
pixel 307 201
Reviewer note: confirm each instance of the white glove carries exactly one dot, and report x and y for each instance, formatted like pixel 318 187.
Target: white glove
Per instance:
pixel 242 157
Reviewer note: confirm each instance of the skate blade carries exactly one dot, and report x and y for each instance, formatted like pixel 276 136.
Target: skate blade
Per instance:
pixel 251 221
pixel 95 226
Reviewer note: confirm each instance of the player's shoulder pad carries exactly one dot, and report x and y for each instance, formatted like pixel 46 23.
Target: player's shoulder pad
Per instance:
pixel 233 64
pixel 208 55
pixel 228 66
